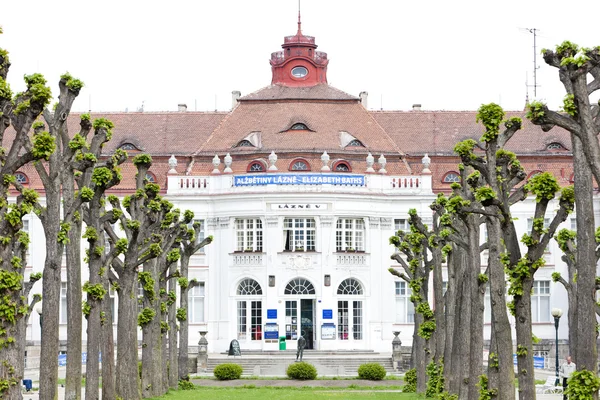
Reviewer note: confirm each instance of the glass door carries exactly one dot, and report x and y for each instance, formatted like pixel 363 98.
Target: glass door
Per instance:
pixel 300 320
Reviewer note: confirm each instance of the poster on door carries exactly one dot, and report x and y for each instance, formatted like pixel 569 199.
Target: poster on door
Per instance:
pixel 327 331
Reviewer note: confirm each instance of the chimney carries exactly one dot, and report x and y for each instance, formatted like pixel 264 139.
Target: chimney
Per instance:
pixel 235 95
pixel 416 107
pixel 363 98
pixel 181 107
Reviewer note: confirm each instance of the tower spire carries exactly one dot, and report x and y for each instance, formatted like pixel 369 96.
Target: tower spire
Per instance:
pixel 299 21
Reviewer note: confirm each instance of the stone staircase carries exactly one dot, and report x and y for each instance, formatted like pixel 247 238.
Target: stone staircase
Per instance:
pixel 344 363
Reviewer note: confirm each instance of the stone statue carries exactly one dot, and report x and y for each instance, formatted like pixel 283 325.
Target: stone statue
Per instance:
pixel 301 346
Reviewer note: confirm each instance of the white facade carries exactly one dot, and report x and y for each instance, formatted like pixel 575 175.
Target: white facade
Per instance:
pixel 305 256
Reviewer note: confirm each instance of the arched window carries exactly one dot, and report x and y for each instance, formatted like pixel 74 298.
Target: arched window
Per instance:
pixel 342 166
pixel 21 178
pixel 355 143
pixel 299 165
pixel 249 312
pixel 244 143
pixel 350 286
pixel 299 127
pixel 451 177
pixel 555 146
pixel 249 287
pixel 150 177
pixel 128 146
pixel 299 286
pixel 256 166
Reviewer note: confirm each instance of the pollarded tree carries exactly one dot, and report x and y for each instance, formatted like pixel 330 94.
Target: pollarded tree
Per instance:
pixel 579 72
pixel 148 220
pixel 190 245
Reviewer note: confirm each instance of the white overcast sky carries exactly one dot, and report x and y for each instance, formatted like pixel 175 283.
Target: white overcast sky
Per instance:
pixel 446 55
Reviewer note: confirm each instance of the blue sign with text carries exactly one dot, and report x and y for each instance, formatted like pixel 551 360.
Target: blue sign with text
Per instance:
pixel 327 314
pixel 272 314
pixel 299 179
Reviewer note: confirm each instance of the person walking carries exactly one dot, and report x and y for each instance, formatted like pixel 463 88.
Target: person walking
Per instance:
pixel 566 370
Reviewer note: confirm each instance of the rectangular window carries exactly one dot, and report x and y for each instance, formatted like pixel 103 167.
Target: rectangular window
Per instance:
pixel 201 234
pixel 113 309
pixel 242 322
pixel 574 224
pixel 350 234
pixel 540 302
pixel 487 306
pixel 249 234
pixel 405 309
pixel 342 320
pixel 256 320
pixel 27 230
pixel 196 303
pixel 401 225
pixel 63 303
pixel 357 319
pixel 291 324
pixel 299 234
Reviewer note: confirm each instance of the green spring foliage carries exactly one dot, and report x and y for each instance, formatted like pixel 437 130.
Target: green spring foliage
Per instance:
pixel 44 146
pixel 181 314
pixel 145 278
pixel 543 185
pixel 91 234
pixel 103 123
pixel 37 89
pixel 569 105
pixel 146 316
pixel 63 233
pixel 582 385
pixel 72 83
pixel 228 371
pixel 535 110
pixel 484 393
pixel 102 176
pixel 435 381
pixel 142 160
pixel 302 371
pixel 465 148
pixel 485 194
pixel 410 381
pixel 97 291
pixel 371 371
pixel 491 116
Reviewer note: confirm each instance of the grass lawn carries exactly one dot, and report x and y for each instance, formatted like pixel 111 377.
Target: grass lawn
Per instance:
pixel 250 393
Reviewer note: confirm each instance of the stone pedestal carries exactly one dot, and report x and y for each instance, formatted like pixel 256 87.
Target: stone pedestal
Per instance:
pixel 202 361
pixel 397 351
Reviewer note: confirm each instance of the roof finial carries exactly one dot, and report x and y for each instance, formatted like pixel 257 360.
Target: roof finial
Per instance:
pixel 299 22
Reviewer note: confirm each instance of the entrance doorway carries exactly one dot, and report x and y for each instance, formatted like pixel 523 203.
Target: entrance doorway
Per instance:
pixel 300 320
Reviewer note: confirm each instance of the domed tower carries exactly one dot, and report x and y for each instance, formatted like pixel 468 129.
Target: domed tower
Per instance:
pixel 299 63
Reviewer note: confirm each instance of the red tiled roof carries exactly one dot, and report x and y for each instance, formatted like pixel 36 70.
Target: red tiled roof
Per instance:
pixel 280 92
pixel 325 121
pixel 436 132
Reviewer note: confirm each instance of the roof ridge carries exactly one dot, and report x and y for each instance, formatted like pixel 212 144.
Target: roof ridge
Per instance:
pixel 212 134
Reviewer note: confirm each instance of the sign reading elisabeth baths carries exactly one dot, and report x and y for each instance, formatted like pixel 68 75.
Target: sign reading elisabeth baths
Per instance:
pixel 299 179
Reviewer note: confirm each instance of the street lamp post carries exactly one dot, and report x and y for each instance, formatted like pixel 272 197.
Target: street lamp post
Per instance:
pixel 556 313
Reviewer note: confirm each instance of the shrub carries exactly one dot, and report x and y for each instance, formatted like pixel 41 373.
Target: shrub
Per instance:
pixel 185 384
pixel 225 372
pixel 302 371
pixel 582 385
pixel 410 380
pixel 371 371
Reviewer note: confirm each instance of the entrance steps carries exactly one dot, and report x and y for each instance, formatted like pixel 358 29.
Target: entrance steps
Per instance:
pixel 275 363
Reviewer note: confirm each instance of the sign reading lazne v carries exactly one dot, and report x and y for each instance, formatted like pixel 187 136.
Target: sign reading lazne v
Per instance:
pixel 299 179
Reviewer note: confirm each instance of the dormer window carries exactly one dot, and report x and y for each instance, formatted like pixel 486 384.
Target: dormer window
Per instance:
pixel 299 165
pixel 355 143
pixel 244 143
pixel 256 166
pixel 299 127
pixel 555 146
pixel 128 146
pixel 21 178
pixel 150 177
pixel 342 166
pixel 451 177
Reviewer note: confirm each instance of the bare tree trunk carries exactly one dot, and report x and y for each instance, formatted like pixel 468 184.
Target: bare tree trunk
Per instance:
pixel 586 265
pixel 108 354
pixel 172 313
pixel 183 324
pixel 526 373
pixel 128 380
pixel 500 365
pixel 51 296
pixel 419 355
pixel 461 346
pixel 477 289
pixel 75 320
pixel 450 315
pixel 152 362
pixel 92 371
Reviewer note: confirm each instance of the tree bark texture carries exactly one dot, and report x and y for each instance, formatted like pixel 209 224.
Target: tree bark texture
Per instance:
pixel 75 320
pixel 476 297
pixel 172 338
